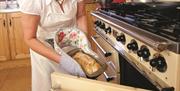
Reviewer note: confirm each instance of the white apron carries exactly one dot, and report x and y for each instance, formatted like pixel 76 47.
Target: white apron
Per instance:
pixel 52 19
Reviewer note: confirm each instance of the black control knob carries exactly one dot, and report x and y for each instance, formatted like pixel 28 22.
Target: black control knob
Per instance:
pixel 121 38
pixel 160 63
pixel 108 30
pixel 102 26
pixel 143 52
pixel 132 45
pixel 153 62
pixel 97 23
pixel 129 46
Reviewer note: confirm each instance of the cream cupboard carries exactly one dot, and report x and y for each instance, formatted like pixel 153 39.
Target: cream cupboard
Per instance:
pixel 12 46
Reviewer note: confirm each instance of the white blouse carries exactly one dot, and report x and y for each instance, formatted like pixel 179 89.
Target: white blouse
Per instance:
pixel 36 6
pixel 52 18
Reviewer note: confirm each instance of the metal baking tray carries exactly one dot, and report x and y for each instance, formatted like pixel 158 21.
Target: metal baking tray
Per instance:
pixel 100 62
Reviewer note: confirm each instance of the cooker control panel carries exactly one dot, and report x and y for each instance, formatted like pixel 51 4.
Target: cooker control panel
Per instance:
pixel 139 50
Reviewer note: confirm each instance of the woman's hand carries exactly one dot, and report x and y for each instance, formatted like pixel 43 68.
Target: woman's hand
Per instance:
pixel 70 66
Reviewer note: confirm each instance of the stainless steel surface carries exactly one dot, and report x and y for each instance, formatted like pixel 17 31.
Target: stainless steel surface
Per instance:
pixel 157 42
pixel 104 52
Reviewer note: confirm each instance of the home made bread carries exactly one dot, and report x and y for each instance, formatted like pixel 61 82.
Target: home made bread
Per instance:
pixel 88 63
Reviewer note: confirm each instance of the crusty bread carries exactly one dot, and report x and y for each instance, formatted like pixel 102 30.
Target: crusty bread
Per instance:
pixel 88 63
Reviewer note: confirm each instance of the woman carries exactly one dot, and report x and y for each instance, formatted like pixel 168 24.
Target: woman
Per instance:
pixel 41 20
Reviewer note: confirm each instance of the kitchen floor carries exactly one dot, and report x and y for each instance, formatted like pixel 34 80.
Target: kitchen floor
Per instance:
pixel 16 79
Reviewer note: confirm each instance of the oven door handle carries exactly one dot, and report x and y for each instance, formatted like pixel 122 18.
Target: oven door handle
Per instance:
pixel 106 54
pixel 108 78
pixel 111 66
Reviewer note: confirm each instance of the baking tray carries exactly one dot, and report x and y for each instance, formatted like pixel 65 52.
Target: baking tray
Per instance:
pixel 100 62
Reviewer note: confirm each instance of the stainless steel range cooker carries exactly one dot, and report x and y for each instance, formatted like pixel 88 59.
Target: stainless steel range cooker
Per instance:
pixel 147 38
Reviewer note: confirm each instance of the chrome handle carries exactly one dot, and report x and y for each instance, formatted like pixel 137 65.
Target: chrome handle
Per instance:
pixel 106 54
pixel 108 78
pixel 112 67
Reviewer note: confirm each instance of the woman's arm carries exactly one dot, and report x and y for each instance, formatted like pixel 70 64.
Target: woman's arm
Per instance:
pixel 29 25
pixel 81 17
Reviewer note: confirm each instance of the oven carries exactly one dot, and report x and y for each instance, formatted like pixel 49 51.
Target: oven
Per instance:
pixel 146 57
pixel 119 70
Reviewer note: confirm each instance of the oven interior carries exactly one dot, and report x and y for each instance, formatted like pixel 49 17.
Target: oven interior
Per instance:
pixel 132 77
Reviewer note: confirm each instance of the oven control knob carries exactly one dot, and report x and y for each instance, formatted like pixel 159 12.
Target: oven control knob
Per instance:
pixel 102 26
pixel 153 62
pixel 159 63
pixel 143 52
pixel 121 38
pixel 97 23
pixel 132 45
pixel 108 30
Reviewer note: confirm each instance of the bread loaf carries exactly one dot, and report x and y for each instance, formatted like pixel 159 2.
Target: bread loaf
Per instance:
pixel 88 63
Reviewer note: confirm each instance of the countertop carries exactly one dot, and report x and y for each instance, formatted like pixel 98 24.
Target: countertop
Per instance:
pixel 9 10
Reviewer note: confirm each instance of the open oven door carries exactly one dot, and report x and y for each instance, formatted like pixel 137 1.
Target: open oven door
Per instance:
pixel 64 82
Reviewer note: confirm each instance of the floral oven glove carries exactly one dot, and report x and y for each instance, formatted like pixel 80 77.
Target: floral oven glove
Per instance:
pixel 72 38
